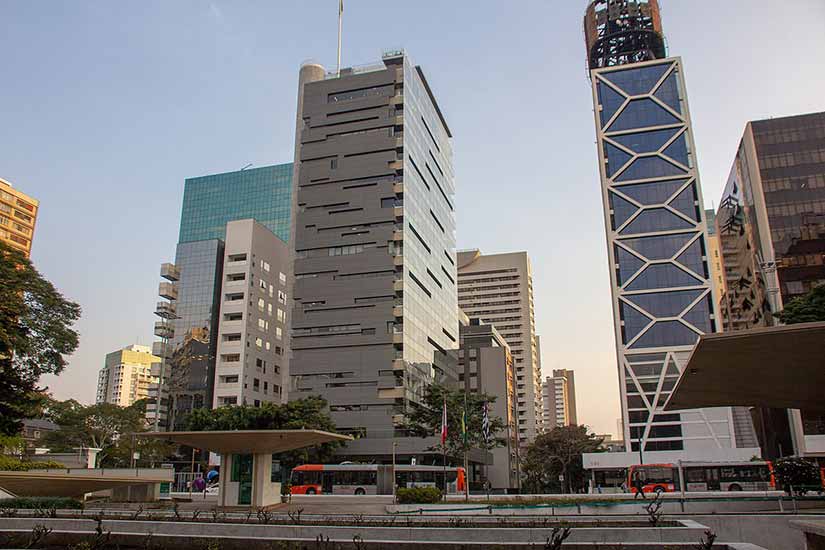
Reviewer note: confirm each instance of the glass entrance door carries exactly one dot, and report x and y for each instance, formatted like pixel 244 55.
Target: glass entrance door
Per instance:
pixel 242 474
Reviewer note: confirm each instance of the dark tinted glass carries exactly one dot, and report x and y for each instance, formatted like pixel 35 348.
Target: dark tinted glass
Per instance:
pixel 657 192
pixel 699 316
pixel 622 210
pixel 659 248
pixel 610 101
pixel 634 322
pixel 650 167
pixel 662 276
pixel 678 150
pixel 642 113
pixel 665 304
pixel 668 93
pixel 686 203
pixel 692 258
pixel 628 264
pixel 646 142
pixel 656 219
pixel 616 158
pixel 666 333
pixel 637 81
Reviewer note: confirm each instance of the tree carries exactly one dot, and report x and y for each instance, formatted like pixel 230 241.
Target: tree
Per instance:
pixel 103 426
pixel 424 419
pixel 558 453
pixel 35 334
pixel 797 474
pixel 309 413
pixel 808 308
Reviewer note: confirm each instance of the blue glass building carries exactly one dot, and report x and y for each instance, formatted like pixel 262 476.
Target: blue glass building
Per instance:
pixel 263 194
pixel 656 234
pixel 209 203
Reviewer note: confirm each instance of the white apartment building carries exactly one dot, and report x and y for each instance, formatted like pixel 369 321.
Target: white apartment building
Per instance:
pixel 498 289
pixel 252 353
pixel 558 395
pixel 126 376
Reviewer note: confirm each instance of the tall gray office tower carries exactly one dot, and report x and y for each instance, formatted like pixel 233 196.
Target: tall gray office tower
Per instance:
pixel 375 300
pixel 656 233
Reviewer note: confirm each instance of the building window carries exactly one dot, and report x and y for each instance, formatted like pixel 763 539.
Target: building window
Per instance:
pixel 282 278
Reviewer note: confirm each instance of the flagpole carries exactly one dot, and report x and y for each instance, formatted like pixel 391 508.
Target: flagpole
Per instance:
pixel 340 29
pixel 466 468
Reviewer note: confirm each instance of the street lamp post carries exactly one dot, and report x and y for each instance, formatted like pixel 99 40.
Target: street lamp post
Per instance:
pixel 394 446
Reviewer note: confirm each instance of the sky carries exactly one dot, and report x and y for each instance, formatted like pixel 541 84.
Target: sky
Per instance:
pixel 106 107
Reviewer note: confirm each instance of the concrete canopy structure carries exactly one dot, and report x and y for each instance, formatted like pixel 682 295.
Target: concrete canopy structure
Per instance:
pixel 740 368
pixel 76 482
pixel 246 458
pixel 249 441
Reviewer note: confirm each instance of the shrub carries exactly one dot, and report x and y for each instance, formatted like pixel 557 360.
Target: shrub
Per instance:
pixel 41 503
pixel 797 473
pixel 419 495
pixel 14 464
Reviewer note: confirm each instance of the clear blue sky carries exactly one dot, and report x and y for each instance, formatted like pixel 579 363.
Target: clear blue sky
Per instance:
pixel 105 108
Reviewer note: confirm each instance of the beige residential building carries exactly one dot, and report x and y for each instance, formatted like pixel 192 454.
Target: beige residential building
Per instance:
pixel 18 214
pixel 498 289
pixel 126 376
pixel 717 273
pixel 558 395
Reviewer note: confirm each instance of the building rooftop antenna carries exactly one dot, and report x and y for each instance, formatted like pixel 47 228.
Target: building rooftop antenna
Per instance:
pixel 340 28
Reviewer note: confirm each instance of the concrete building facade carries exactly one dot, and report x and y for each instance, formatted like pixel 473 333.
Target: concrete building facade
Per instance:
pixel 486 366
pixel 375 312
pixel 771 224
pixel 253 342
pixel 126 376
pixel 656 231
pixel 558 396
pixel 18 215
pixel 190 311
pixel 498 289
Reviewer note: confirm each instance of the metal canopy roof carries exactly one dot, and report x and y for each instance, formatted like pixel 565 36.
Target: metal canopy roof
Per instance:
pixel 249 441
pixel 782 367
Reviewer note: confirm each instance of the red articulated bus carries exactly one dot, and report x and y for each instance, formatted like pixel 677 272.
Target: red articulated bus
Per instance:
pixel 371 479
pixel 702 476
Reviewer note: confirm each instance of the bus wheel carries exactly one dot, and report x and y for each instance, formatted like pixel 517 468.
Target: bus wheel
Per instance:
pixel 735 487
pixel 360 491
pixel 311 491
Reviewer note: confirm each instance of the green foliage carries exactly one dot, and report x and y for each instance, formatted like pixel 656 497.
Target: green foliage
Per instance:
pixel 13 464
pixel 796 473
pixel 41 503
pixel 12 444
pixel 103 426
pixel 424 419
pixel 809 308
pixel 309 413
pixel 419 495
pixel 558 452
pixel 35 335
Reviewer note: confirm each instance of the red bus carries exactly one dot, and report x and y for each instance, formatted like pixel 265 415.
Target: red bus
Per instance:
pixel 703 476
pixel 371 479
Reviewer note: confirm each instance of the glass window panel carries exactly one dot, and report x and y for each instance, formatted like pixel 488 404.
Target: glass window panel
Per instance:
pixel 622 210
pixel 666 333
pixel 639 80
pixel 616 158
pixel 663 247
pixel 628 264
pixel 650 167
pixel 665 304
pixel 668 93
pixel 657 192
pixel 686 203
pixel 656 219
pixel 692 258
pixel 645 358
pixel 672 369
pixel 678 150
pixel 610 101
pixel 662 276
pixel 646 142
pixel 634 322
pixel 642 113
pixel 699 316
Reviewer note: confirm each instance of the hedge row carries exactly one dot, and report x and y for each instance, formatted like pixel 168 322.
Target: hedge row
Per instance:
pixel 419 495
pixel 40 503
pixel 14 464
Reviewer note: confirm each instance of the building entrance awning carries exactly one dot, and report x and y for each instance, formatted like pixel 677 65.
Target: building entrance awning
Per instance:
pixel 249 441
pixel 781 367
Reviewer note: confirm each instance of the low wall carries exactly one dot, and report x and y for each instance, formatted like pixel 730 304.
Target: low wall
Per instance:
pixel 252 535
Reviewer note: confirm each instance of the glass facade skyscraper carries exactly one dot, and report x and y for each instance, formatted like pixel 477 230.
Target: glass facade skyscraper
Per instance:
pixel 656 231
pixel 209 203
pixel 263 194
